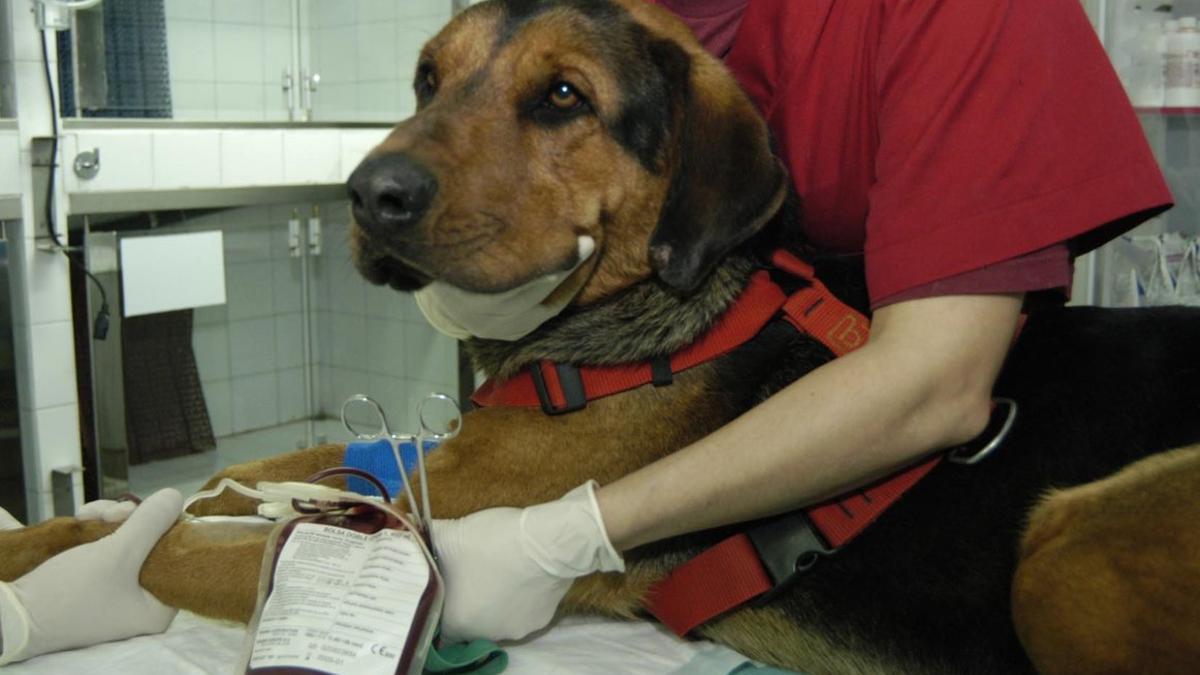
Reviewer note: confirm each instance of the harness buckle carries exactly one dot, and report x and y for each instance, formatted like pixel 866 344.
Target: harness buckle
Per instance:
pixel 1004 413
pixel 570 382
pixel 788 545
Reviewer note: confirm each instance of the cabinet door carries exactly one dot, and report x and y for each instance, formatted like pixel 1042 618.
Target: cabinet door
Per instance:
pixel 216 60
pixel 358 57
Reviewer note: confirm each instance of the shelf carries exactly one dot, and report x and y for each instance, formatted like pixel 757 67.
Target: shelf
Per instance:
pixel 1168 111
pixel 207 198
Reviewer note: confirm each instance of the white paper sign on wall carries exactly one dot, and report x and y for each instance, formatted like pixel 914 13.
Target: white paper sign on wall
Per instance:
pixel 162 273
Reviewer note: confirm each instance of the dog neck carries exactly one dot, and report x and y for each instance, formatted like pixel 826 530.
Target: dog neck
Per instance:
pixel 644 321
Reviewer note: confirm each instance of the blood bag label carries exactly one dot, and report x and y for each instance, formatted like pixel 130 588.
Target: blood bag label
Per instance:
pixel 341 601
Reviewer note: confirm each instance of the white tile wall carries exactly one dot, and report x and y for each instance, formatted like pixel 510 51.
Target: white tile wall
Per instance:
pixel 237 11
pixel 385 339
pixel 194 100
pixel 218 395
pixel 376 11
pixel 8 89
pixel 368 339
pixel 191 52
pixel 249 285
pixel 289 341
pixel 56 432
pixel 240 52
pixel 10 153
pixel 241 101
pixel 355 147
pixel 290 388
pixel 255 404
pixel 186 159
pixel 277 12
pixel 252 346
pixel 349 346
pixel 44 296
pixel 312 156
pixel 196 10
pixel 133 159
pixel 226 59
pixel 366 53
pixel 373 340
pixel 8 102
pixel 52 367
pixel 249 351
pixel 123 159
pixel 49 413
pixel 251 157
pixel 210 343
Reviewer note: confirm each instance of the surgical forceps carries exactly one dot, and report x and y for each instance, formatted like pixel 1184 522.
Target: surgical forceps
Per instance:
pixel 436 404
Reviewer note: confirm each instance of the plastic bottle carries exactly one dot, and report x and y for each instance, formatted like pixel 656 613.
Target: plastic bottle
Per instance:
pixel 1182 65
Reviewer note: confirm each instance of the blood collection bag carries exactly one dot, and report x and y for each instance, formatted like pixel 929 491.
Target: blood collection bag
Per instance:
pixel 350 590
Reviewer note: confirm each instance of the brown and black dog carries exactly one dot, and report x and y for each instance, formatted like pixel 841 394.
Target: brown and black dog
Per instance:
pixel 543 120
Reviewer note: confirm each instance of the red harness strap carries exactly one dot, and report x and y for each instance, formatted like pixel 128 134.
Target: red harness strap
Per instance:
pixel 759 303
pixel 731 573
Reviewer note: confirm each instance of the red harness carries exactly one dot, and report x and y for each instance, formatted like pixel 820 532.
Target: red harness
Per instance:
pixel 750 564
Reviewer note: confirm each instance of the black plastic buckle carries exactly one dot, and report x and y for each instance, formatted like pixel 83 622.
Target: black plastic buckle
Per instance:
pixel 788 545
pixel 569 381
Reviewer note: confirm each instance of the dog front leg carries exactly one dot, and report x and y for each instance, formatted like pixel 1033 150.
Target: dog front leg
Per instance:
pixel 207 568
pixel 521 456
pixel 24 549
pixel 211 569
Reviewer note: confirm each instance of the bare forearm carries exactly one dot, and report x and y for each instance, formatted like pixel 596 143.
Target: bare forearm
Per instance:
pixel 844 424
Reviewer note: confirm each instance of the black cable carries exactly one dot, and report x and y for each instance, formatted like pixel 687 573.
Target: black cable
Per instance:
pixel 100 326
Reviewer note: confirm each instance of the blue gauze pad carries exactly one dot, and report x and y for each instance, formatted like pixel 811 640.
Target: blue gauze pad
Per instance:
pixel 375 457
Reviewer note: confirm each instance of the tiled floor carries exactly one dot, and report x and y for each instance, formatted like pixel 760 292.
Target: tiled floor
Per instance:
pixel 187 474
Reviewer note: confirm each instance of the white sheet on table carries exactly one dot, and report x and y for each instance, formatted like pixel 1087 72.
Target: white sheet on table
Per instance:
pixel 573 646
pixel 193 645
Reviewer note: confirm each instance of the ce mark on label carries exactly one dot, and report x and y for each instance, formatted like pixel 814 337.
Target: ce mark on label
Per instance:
pixel 383 650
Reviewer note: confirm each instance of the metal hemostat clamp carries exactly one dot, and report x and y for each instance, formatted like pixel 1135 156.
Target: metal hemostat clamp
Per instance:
pixel 364 418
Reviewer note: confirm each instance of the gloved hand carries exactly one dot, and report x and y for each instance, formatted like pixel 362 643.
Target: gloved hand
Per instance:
pixel 89 594
pixel 507 569
pixel 108 510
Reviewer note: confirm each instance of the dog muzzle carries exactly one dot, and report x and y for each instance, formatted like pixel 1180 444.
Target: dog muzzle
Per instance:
pixel 508 316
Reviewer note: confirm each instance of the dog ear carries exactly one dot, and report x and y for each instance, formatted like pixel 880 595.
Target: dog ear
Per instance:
pixel 726 182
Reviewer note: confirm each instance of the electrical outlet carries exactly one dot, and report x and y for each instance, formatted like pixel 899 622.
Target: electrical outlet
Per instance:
pixel 53 17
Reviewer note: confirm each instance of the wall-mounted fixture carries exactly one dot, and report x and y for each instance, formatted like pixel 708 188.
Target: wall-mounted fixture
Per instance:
pixel 87 164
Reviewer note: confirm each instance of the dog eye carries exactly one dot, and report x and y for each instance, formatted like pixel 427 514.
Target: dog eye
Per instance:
pixel 426 83
pixel 562 96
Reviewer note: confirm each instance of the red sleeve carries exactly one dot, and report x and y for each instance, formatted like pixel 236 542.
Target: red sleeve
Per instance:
pixel 1002 131
pixel 1048 269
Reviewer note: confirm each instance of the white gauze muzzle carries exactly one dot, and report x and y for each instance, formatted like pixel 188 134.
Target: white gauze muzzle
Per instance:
pixel 509 316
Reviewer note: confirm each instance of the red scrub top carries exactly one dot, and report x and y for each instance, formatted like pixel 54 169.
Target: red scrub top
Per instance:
pixel 958 145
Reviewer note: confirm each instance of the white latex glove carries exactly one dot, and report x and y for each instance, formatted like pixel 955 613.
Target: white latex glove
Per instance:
pixel 108 510
pixel 89 594
pixel 507 569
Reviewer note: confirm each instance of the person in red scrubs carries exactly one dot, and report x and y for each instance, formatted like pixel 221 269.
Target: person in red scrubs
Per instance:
pixel 967 151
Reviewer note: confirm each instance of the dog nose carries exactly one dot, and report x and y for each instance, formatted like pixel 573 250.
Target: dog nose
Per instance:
pixel 391 191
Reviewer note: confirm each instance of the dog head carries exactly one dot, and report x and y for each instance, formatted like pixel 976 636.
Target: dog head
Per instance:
pixel 540 121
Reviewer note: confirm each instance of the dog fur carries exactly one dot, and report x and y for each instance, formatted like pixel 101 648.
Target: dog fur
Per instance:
pixel 669 168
